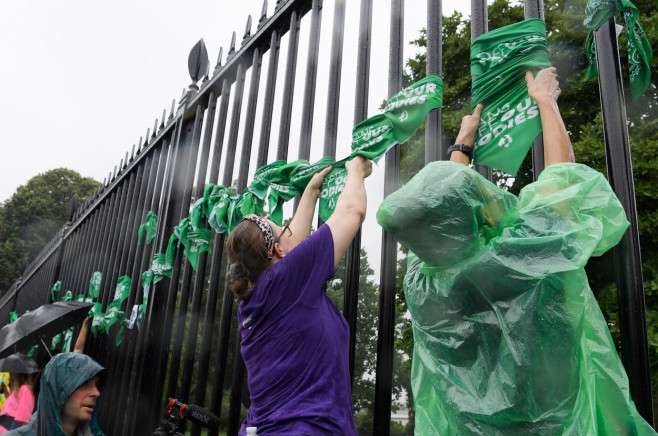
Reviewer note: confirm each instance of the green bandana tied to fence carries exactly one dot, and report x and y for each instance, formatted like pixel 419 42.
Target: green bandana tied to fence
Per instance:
pixel 68 296
pixel 150 225
pixel 56 288
pixel 510 120
pixel 373 137
pixel 639 48
pixel 95 284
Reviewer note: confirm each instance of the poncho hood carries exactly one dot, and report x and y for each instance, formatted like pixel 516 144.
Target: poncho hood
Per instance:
pixel 415 214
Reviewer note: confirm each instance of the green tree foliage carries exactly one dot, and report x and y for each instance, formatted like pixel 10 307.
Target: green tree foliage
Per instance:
pixel 32 216
pixel 580 108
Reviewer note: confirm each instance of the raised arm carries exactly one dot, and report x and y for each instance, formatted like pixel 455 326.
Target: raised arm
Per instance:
pixel 82 336
pixel 351 206
pixel 301 223
pixel 545 90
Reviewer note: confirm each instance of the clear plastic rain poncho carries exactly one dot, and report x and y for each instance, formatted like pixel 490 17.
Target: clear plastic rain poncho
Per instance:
pixel 509 339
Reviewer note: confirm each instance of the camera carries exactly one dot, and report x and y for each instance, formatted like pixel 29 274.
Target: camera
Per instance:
pixel 177 414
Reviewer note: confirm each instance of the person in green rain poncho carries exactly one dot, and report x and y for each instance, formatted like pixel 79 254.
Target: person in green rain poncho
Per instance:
pixel 508 338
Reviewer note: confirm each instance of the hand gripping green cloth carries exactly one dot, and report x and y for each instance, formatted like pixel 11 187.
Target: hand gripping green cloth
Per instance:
pixel 509 339
pixel 510 120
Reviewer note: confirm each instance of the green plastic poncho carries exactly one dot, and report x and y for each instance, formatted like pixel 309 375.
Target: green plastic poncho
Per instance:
pixel 509 339
pixel 64 374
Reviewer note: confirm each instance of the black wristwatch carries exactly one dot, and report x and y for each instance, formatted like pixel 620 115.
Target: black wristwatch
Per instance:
pixel 463 148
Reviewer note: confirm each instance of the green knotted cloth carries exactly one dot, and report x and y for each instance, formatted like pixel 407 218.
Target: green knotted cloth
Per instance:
pixel 150 226
pixel 510 120
pixel 639 48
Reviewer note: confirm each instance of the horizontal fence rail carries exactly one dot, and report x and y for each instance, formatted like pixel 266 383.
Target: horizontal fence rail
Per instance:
pixel 229 122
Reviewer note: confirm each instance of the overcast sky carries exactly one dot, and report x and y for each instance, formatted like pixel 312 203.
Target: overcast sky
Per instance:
pixel 82 80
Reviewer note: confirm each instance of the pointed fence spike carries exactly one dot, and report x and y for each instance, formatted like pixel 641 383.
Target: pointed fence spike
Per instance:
pixel 120 166
pixel 132 154
pixel 263 15
pixel 104 180
pixel 139 146
pixel 164 115
pixel 155 128
pixel 247 30
pixel 231 51
pixel 148 132
pixel 278 5
pixel 125 161
pixel 173 105
pixel 109 177
pixel 115 172
pixel 219 60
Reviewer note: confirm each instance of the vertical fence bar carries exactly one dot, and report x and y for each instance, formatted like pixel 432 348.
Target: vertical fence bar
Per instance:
pixel 630 286
pixel 386 331
pixel 311 82
pixel 268 103
pixel 434 147
pixel 480 26
pixel 353 255
pixel 288 87
pixel 335 66
pixel 535 9
pixel 238 364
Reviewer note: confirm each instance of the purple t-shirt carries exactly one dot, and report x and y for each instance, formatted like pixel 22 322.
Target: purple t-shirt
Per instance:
pixel 295 344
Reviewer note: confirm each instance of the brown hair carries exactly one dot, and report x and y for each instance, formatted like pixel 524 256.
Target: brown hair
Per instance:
pixel 17 380
pixel 248 256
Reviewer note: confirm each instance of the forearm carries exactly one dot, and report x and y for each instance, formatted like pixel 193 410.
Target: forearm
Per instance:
pixel 301 223
pixel 349 214
pixel 557 145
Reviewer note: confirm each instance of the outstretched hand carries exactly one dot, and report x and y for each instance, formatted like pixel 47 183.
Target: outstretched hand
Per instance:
pixel 315 184
pixel 469 127
pixel 544 86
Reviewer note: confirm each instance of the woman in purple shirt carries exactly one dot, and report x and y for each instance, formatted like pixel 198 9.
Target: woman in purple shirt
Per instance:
pixel 295 342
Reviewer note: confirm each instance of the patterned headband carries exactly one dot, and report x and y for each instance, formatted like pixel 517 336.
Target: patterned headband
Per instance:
pixel 266 228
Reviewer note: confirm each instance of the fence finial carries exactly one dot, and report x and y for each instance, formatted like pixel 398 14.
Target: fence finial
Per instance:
pixel 155 128
pixel 173 105
pixel 164 114
pixel 263 15
pixel 219 61
pixel 197 63
pixel 278 5
pixel 247 31
pixel 231 51
pixel 139 146
pixel 132 154
pixel 146 139
pixel 125 160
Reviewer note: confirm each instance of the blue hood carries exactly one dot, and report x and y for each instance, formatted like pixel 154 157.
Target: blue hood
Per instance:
pixel 64 374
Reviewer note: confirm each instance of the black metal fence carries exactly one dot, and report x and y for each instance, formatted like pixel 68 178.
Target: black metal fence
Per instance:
pixel 187 332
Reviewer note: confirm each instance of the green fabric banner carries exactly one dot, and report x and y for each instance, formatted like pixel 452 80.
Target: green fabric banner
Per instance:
pixel 510 120
pixel 150 226
pixel 639 48
pixel 333 185
pixel 197 242
pixel 217 206
pixel 68 296
pixel 160 267
pixel 95 284
pixel 13 316
pixel 123 288
pixel 56 288
pixel 97 315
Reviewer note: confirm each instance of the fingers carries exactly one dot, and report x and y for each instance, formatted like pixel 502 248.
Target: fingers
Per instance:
pixel 478 110
pixel 529 78
pixel 325 171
